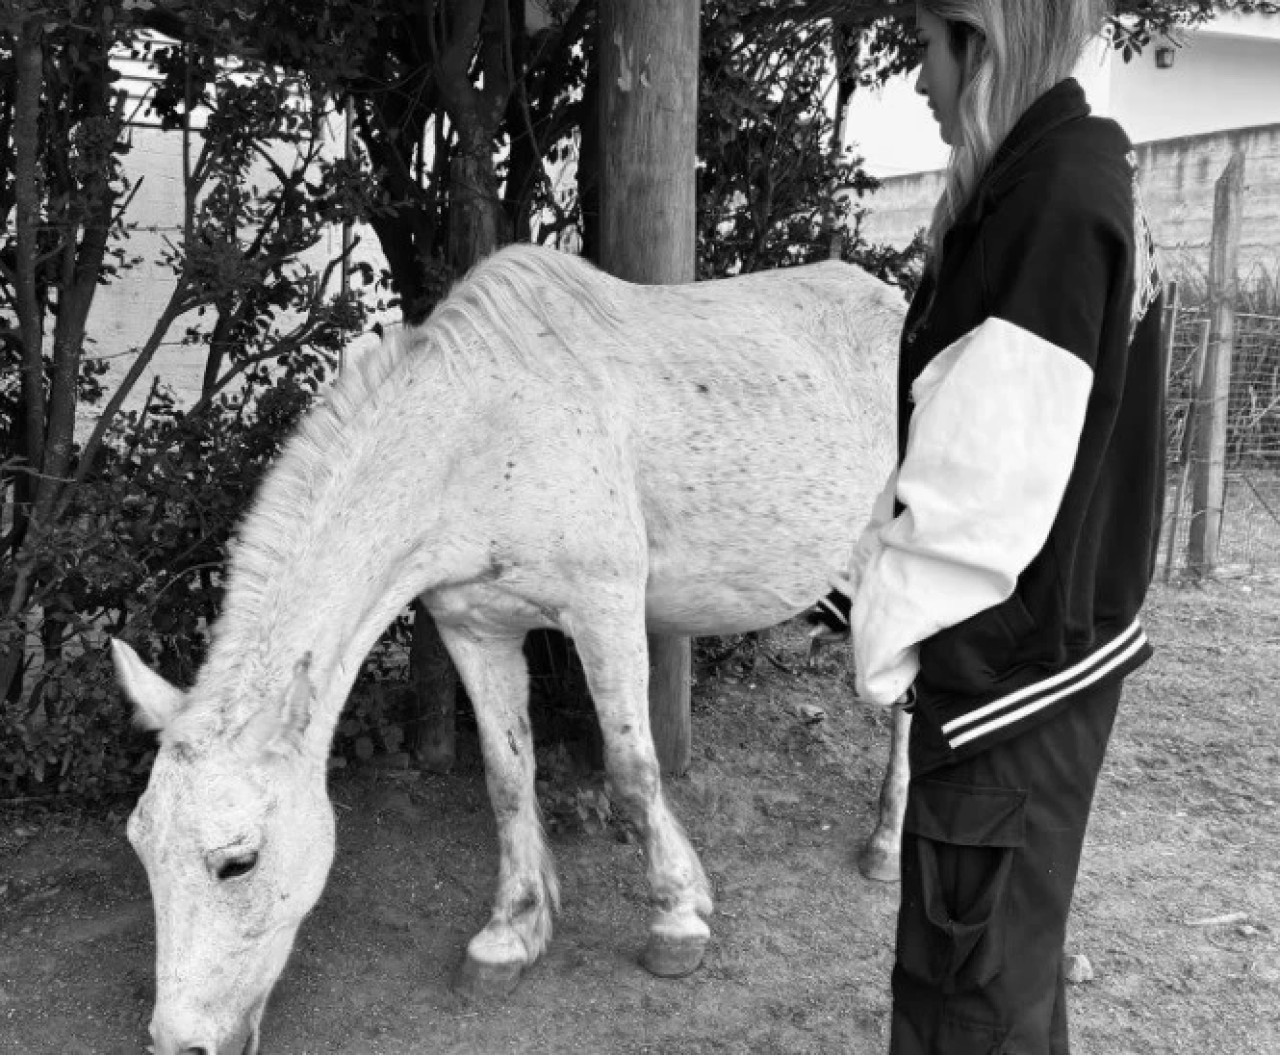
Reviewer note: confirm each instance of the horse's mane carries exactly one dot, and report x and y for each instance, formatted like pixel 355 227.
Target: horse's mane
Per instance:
pixel 485 316
pixel 488 314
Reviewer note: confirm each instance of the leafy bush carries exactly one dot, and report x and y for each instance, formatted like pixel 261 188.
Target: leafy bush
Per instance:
pixel 140 552
pixel 70 740
pixel 571 796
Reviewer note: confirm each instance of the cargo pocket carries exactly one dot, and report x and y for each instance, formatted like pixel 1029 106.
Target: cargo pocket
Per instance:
pixel 961 842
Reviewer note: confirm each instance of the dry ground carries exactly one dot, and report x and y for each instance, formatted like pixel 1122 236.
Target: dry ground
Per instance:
pixel 1186 829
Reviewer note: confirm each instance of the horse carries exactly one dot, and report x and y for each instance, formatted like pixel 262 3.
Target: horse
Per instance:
pixel 553 448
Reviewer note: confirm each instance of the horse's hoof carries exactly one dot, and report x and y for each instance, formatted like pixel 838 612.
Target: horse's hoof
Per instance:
pixel 673 956
pixel 879 865
pixel 481 980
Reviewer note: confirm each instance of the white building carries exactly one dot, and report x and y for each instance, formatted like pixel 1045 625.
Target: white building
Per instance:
pixel 1225 74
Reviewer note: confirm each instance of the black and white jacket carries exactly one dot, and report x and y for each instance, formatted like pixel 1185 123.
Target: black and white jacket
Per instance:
pixel 1007 559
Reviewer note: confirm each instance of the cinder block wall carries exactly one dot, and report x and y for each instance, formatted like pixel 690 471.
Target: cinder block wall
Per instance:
pixel 1177 179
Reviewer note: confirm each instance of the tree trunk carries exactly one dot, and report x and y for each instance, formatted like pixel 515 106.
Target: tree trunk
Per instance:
pixel 29 429
pixel 648 53
pixel 477 221
pixel 46 435
pixel 84 258
pixel 29 68
pixel 590 160
pixel 476 228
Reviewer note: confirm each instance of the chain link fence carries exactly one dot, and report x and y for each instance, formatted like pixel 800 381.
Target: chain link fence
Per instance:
pixel 1250 529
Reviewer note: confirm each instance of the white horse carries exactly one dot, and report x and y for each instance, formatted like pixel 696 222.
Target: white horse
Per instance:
pixel 553 448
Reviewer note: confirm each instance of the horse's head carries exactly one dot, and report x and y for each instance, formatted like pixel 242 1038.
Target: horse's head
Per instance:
pixel 236 834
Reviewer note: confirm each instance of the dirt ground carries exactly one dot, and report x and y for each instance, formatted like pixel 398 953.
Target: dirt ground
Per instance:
pixel 1178 905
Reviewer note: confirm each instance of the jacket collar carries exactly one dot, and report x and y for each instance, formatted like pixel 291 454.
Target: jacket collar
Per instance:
pixel 1063 102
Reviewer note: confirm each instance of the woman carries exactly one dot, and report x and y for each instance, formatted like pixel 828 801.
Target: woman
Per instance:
pixel 996 591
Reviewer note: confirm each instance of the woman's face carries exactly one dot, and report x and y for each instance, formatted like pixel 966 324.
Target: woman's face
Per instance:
pixel 940 72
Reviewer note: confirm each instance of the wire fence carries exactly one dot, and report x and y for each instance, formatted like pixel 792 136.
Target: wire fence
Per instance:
pixel 1250 529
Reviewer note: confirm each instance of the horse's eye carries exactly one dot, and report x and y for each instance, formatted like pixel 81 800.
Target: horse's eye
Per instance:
pixel 233 867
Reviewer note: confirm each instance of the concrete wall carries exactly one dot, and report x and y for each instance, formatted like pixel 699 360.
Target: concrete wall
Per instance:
pixel 125 312
pixel 901 206
pixel 1177 183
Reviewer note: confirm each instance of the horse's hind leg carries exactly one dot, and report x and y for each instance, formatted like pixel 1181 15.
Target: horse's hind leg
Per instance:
pixel 879 859
pixel 497 680
pixel 615 659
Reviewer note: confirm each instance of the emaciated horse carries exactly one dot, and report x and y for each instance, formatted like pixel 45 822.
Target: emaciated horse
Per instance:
pixel 552 448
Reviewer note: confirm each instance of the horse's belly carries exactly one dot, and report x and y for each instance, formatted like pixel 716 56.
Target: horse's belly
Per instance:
pixel 747 567
pixel 749 514
pixel 699 607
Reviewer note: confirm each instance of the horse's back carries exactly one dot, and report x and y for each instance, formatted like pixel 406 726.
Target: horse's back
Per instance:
pixel 759 411
pixel 743 426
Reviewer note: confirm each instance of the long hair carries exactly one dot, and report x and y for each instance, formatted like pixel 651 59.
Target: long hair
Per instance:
pixel 1011 52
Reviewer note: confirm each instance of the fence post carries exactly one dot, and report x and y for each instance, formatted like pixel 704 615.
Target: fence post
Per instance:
pixel 1169 327
pixel 1184 449
pixel 1210 442
pixel 1168 338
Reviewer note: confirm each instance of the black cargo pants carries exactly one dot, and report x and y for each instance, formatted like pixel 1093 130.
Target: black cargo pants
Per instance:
pixel 990 850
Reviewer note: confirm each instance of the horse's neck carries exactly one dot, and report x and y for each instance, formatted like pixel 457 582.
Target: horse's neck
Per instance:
pixel 320 581
pixel 326 626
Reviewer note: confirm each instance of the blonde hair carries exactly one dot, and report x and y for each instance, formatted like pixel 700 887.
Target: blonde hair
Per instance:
pixel 1011 52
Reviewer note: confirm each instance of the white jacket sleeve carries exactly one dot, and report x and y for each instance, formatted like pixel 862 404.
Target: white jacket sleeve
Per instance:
pixel 991 446
pixel 868 543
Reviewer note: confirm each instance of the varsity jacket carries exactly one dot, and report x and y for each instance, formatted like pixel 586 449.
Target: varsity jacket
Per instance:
pixel 1006 561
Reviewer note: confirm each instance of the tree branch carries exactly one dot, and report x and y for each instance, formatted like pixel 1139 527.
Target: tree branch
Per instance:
pixel 107 418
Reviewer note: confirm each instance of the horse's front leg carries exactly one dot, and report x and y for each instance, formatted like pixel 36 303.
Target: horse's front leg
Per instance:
pixel 497 680
pixel 880 857
pixel 612 646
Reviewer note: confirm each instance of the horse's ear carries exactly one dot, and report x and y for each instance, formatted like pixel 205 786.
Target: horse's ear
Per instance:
pixel 155 700
pixel 280 731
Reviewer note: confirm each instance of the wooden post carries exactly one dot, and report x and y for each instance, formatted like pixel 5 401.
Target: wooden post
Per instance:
pixel 1169 328
pixel 648 53
pixel 648 129
pixel 1168 339
pixel 1185 451
pixel 1211 433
